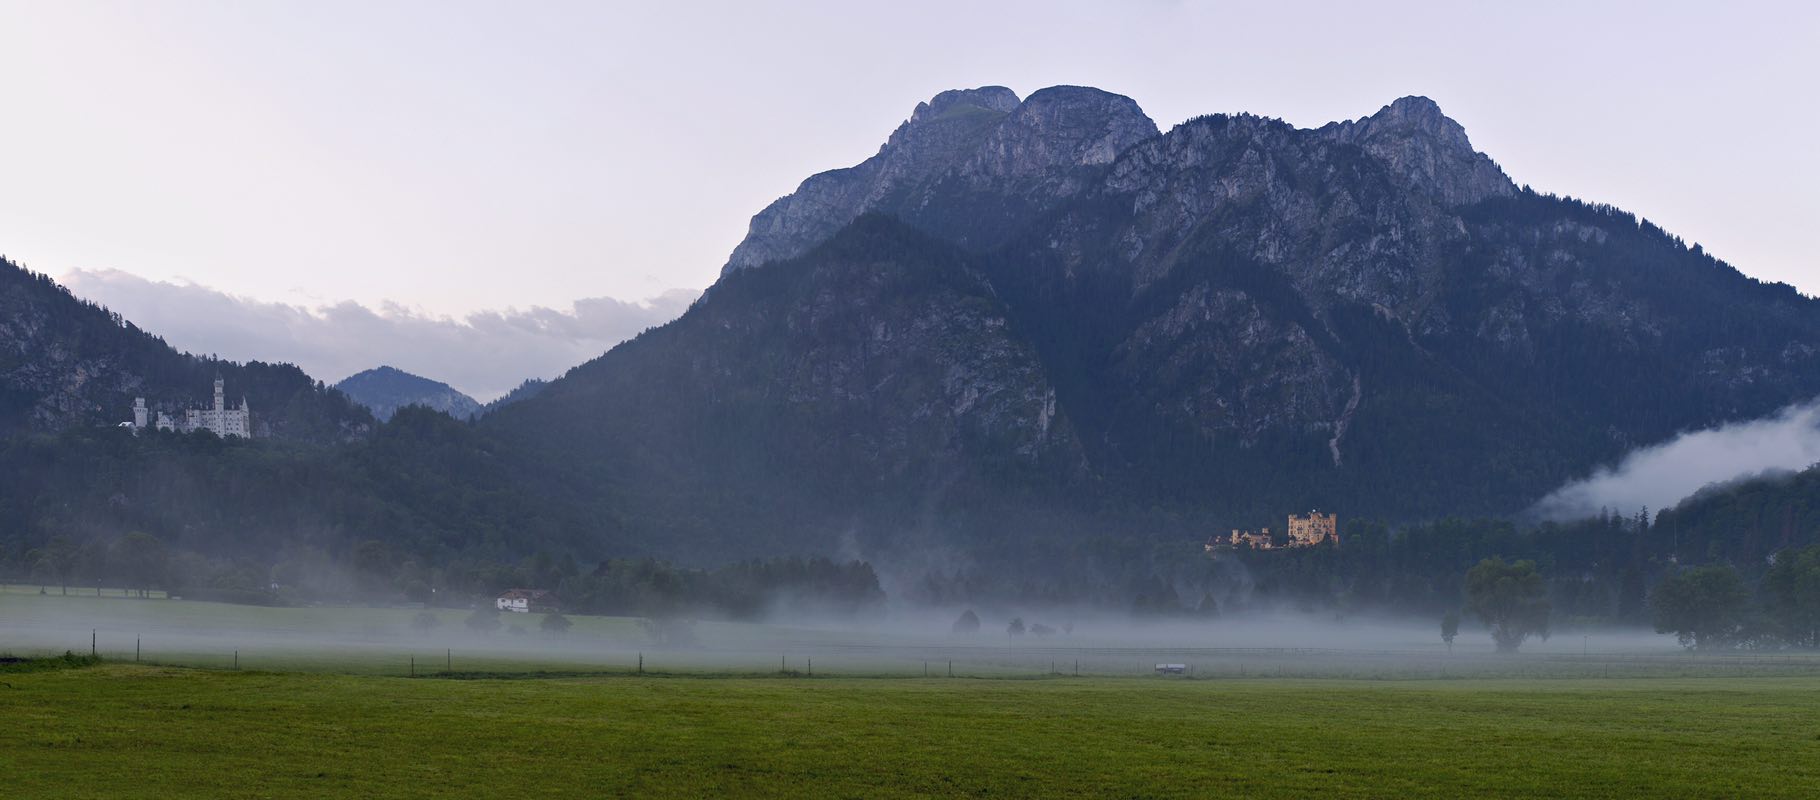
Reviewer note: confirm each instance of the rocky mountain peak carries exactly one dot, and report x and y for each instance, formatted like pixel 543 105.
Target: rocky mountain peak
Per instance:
pixel 1429 149
pixel 1413 117
pixel 1416 109
pixel 1064 126
pixel 988 98
pixel 1015 154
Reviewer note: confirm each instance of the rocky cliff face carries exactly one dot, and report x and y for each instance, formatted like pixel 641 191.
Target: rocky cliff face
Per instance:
pixel 977 159
pixel 1427 152
pixel 1233 238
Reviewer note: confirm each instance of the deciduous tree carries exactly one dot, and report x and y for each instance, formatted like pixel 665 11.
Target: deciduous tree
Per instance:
pixel 1703 607
pixel 1510 598
pixel 1792 588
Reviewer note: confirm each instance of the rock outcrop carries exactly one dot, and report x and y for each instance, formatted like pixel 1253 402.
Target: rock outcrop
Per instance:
pixel 977 159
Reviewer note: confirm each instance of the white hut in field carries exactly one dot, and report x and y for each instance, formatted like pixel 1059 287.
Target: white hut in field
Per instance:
pixel 525 601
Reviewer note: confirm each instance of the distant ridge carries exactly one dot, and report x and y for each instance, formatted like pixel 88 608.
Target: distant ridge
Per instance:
pixel 384 390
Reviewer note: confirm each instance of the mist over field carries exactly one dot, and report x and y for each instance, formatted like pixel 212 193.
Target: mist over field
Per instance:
pixel 895 642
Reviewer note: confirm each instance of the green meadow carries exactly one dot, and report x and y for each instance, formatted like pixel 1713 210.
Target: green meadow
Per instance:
pixel 324 702
pixel 117 730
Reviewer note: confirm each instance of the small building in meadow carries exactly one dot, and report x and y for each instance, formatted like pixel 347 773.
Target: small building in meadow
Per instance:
pixel 526 601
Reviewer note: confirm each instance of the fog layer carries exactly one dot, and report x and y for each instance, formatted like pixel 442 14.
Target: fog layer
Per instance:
pixel 1659 476
pixel 903 642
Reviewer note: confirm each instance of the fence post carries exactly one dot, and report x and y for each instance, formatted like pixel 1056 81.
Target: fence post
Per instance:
pixel 811 663
pixel 135 649
pixel 91 643
pixel 641 663
pixel 950 667
pixel 413 666
pixel 236 659
pixel 448 660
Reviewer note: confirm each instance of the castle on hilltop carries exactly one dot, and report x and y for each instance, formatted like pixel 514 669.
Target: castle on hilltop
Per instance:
pixel 219 420
pixel 1304 531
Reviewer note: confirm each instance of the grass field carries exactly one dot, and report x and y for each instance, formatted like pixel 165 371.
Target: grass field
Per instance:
pixel 320 706
pixel 122 730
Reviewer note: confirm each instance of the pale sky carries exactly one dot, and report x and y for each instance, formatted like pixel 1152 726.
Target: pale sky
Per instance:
pixel 454 157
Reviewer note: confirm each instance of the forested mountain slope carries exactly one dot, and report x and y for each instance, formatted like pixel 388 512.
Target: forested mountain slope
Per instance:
pixel 844 389
pixel 66 363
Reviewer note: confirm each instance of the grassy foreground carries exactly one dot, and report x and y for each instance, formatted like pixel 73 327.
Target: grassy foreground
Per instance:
pixel 122 730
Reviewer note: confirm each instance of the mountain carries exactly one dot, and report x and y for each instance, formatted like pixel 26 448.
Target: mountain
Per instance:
pixel 385 390
pixel 1027 319
pixel 67 363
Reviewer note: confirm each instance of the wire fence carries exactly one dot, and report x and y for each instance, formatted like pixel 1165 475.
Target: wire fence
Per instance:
pixel 805 660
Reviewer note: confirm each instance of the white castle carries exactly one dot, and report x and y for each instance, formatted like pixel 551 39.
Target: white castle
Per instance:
pixel 220 420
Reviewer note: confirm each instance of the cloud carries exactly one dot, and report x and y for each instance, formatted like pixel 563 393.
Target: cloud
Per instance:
pixel 484 354
pixel 1662 475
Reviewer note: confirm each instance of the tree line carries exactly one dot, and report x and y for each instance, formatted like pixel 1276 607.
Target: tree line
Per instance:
pixel 372 572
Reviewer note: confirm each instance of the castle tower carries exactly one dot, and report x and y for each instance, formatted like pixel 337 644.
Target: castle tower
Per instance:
pixel 1313 529
pixel 220 396
pixel 139 413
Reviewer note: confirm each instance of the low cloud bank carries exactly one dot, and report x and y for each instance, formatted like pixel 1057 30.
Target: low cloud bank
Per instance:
pixel 484 354
pixel 1662 475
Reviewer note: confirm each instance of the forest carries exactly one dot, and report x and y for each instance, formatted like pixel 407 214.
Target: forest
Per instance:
pixel 278 523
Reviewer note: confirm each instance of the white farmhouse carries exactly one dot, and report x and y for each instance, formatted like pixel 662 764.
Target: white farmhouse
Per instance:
pixel 525 601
